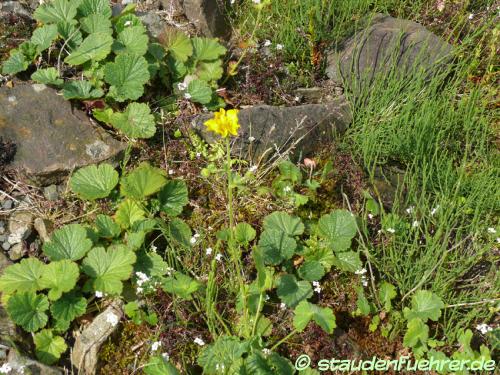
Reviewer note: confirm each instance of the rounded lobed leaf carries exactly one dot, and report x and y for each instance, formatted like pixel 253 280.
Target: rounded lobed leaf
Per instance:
pixel 276 246
pixel 173 197
pixel 290 225
pixel 142 182
pixel 69 242
pixel 28 310
pixel 338 229
pixel 291 291
pixel 48 348
pixel 22 277
pixel 59 277
pixel 94 182
pixel 135 122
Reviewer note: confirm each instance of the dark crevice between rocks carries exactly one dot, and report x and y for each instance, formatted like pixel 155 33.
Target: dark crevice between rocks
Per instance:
pixel 7 152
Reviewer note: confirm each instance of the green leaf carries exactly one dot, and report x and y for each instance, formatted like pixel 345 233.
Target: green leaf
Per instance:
pixel 127 76
pixel 424 305
pixel 265 274
pixel 178 44
pixel 200 91
pixel 94 181
pixel 128 213
pixel 15 63
pixel 59 277
pixel 210 71
pixel 106 227
pixel 28 310
pixel 151 264
pixel 56 11
pixel 173 197
pixel 386 293
pixel 348 261
pixel 69 307
pixel 48 348
pixel 135 240
pixel 44 36
pixel 290 172
pixel 70 33
pixel 272 364
pixel 29 50
pixel 81 90
pixel 221 354
pixel 311 270
pixel 95 47
pixel 88 7
pixel 244 233
pixel 291 291
pixel 49 76
pixel 207 49
pixel 364 306
pixel 132 40
pixel 96 23
pixel 159 366
pixel 305 312
pixel 128 20
pixel 181 285
pixel 142 182
pixel 108 268
pixel 417 334
pixel 290 225
pixel 69 242
pixel 276 246
pixel 136 122
pixel 22 277
pixel 338 229
pixel 323 255
pixel 178 232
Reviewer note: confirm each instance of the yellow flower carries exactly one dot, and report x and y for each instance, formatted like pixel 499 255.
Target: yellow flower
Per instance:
pixel 224 123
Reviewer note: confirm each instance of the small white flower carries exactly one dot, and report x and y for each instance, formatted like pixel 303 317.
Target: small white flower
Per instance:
pixel 155 346
pixel 266 351
pixel 410 209
pixel 415 224
pixel 127 23
pixel 471 16
pixel 198 155
pixel 192 240
pixel 219 367
pixel 283 306
pixel 267 43
pixel 256 1
pixel 484 328
pixel 199 341
pixel 196 235
pixel 315 283
pixel 370 216
pixel 209 251
pixel 253 169
pixel 498 239
pixel 99 294
pixel 434 210
pixel 171 172
pixel 165 356
pixel 287 189
pixel 181 86
pixel 364 280
pixel 362 271
pixel 139 290
pixel 187 96
pixel 251 139
pixel 492 230
pixel 266 298
pixel 297 99
pixel 391 230
pixel 112 319
pixel 5 369
pixel 153 248
pixel 317 289
pixel 218 257
pixel 279 47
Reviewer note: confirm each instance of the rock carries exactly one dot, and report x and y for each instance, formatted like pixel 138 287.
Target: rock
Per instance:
pixel 265 128
pixel 41 228
pixel 14 7
pixel 6 245
pixel 51 193
pixel 84 355
pixel 52 138
pixel 387 43
pixel 7 204
pixel 20 225
pixel 17 251
pixel 24 365
pixel 208 16
pixel 153 22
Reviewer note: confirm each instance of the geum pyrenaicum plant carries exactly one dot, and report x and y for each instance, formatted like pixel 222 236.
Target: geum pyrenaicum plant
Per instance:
pixel 86 263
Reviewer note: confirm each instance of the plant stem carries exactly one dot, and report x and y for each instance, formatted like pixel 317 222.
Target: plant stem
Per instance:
pixel 283 339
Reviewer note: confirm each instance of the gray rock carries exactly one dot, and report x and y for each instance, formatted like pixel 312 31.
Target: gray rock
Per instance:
pixel 52 138
pixel 3 237
pixel 265 129
pixel 51 193
pixel 208 16
pixel 387 43
pixel 41 228
pixel 6 245
pixel 14 7
pixel 153 22
pixel 7 204
pixel 84 355
pixel 20 225
pixel 24 365
pixel 17 251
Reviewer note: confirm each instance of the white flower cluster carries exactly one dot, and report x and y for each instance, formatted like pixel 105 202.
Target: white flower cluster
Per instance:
pixel 484 328
pixel 194 239
pixel 362 273
pixel 199 341
pixel 317 287
pixel 155 346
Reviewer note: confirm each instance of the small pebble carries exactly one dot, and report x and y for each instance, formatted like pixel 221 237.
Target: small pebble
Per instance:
pixel 51 193
pixel 7 205
pixel 6 246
